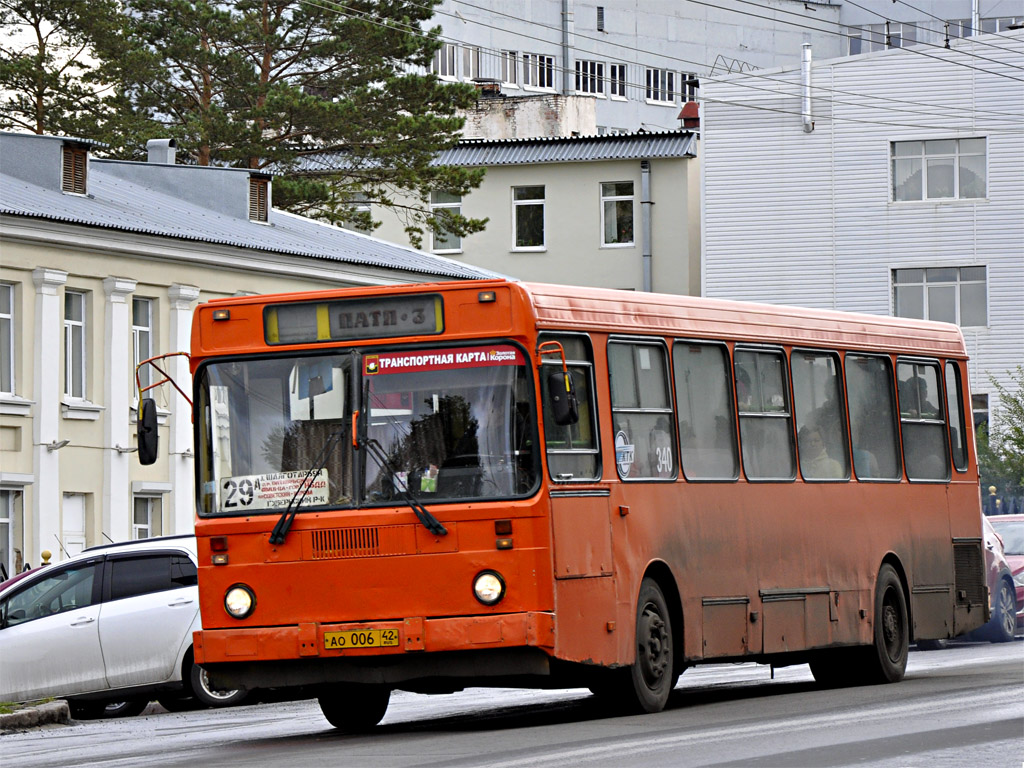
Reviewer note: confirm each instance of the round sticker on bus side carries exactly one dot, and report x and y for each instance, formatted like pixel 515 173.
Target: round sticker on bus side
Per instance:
pixel 623 453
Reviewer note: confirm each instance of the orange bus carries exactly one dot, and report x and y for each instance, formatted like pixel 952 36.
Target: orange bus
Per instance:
pixel 427 487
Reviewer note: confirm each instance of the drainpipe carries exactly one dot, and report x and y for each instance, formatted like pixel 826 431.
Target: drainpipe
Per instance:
pixel 975 18
pixel 567 27
pixel 805 81
pixel 645 215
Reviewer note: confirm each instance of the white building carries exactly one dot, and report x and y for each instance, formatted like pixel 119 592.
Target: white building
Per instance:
pixel 103 262
pixel 893 185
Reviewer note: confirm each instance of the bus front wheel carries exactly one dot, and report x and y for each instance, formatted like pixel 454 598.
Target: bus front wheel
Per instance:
pixel 354 708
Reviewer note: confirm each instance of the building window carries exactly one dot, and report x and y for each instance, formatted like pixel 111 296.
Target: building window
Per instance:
pixel 617 213
pixel 979 410
pixel 146 517
pixel 470 62
pixel 938 169
pixel 12 559
pixel 538 70
pixel 689 85
pixel 617 80
pixel 6 338
pixel 510 68
pixel 600 18
pixel 75 162
pixel 661 86
pixel 590 77
pixel 74 344
pixel 142 339
pixel 259 199
pixel 528 217
pixel 443 64
pixel 948 294
pixel 441 204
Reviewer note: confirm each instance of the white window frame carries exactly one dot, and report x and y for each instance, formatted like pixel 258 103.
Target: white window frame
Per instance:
pixel 538 71
pixel 957 284
pixel 615 199
pixel 510 69
pixel 590 77
pixel 153 507
pixel 618 77
pixel 470 62
pixel 7 529
pixel 659 86
pixel 7 318
pixel 688 91
pixel 443 63
pixel 516 204
pixel 142 342
pixel 450 205
pixel 923 159
pixel 70 345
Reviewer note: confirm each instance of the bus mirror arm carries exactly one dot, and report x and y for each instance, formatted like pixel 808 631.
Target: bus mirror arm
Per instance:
pixel 430 522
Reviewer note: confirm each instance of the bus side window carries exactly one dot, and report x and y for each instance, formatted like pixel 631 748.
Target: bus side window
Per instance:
pixel 818 404
pixel 707 427
pixel 766 430
pixel 872 417
pixel 572 450
pixel 925 452
pixel 955 409
pixel 641 410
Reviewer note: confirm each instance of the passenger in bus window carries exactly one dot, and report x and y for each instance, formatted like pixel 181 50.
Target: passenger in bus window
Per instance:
pixel 815 462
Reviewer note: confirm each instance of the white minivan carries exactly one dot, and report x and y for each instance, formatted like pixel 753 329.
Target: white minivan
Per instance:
pixel 109 629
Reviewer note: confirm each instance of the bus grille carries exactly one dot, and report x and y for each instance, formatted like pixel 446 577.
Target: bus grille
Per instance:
pixel 372 541
pixel 970 574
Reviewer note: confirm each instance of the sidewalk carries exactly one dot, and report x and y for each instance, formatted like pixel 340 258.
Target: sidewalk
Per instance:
pixel 51 713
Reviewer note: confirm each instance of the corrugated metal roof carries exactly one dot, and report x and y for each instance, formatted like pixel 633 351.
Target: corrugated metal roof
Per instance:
pixel 117 204
pixel 546 149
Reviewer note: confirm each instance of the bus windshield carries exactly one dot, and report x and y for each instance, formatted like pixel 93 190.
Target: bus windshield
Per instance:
pixel 454 424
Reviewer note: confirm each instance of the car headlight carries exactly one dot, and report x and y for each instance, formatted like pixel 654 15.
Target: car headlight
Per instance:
pixel 489 587
pixel 239 601
pixel 1018 579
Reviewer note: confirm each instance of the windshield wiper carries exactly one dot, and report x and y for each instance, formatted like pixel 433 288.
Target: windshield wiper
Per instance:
pixel 430 522
pixel 284 523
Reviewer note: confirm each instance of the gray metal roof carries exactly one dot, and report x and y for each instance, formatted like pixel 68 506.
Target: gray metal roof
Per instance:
pixel 118 204
pixel 551 149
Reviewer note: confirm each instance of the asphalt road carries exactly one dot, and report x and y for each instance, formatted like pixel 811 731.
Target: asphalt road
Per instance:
pixel 963 706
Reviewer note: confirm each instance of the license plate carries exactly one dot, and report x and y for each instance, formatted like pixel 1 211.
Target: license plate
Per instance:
pixel 360 638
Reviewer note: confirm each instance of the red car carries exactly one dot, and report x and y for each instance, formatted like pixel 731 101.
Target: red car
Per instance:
pixel 1010 529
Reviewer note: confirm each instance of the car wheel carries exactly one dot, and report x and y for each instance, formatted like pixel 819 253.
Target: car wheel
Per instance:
pixel 87 710
pixel 125 708
pixel 932 645
pixel 178 703
pixel 209 696
pixel 1004 617
pixel 355 708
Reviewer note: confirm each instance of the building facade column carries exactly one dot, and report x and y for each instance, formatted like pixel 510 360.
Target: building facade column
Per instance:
pixel 117 396
pixel 46 391
pixel 181 456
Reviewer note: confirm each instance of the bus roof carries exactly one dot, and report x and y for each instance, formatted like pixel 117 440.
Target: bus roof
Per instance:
pixel 615 311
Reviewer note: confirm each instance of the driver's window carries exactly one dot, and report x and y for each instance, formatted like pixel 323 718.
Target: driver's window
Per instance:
pixel 63 590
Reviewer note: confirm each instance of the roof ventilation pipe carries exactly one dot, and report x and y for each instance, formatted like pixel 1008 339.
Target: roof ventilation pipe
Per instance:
pixel 567 44
pixel 161 151
pixel 805 81
pixel 645 214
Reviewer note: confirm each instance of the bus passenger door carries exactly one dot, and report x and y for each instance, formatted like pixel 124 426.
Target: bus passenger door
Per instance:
pixel 585 609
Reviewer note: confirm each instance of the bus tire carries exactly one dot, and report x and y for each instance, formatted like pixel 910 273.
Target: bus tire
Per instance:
pixel 886 659
pixel 354 708
pixel 651 675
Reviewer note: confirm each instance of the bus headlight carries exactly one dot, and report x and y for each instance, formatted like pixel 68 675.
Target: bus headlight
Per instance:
pixel 489 587
pixel 239 601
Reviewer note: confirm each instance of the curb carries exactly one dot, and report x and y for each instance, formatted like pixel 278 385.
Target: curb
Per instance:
pixel 51 713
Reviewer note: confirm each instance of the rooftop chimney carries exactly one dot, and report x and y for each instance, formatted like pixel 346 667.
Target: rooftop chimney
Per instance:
pixel 161 151
pixel 690 115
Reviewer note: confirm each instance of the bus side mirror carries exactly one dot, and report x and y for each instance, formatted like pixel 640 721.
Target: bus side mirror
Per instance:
pixel 147 432
pixel 562 399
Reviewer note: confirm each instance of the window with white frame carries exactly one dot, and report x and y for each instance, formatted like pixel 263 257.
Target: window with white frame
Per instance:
pixel 443 64
pixel 74 344
pixel 470 62
pixel 538 70
pixel 510 68
pixel 142 340
pixel 146 512
pixel 938 169
pixel 948 294
pixel 688 86
pixel 590 77
pixel 7 338
pixel 442 203
pixel 661 86
pixel 8 549
pixel 617 81
pixel 528 217
pixel 617 203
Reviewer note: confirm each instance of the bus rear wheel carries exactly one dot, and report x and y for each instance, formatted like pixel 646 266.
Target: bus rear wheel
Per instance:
pixel 354 708
pixel 887 660
pixel 651 676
